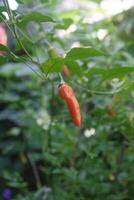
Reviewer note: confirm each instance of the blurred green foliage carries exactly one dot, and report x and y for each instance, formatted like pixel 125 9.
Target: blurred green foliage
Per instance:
pixel 43 155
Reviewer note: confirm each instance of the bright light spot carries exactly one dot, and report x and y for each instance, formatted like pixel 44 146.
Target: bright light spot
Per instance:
pixel 86 20
pixel 113 7
pixel 6 15
pixel 66 33
pixel 13 4
pixel 127 4
pixel 39 121
pixel 116 83
pixel 88 5
pixel 109 8
pixel 89 133
pixel 71 28
pixel 85 79
pixel 61 33
pixel 43 119
pixel 95 18
pixel 75 44
pixel 69 4
pixel 101 33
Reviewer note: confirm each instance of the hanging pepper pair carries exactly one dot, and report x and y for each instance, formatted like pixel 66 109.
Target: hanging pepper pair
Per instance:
pixel 66 93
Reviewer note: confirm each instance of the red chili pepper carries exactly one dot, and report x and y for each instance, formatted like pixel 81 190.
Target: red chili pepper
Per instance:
pixel 65 71
pixel 66 92
pixel 3 38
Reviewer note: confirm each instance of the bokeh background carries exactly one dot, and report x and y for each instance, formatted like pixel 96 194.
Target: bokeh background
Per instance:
pixel 42 154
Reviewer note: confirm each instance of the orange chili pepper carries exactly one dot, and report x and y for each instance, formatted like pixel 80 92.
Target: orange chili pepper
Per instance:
pixel 66 92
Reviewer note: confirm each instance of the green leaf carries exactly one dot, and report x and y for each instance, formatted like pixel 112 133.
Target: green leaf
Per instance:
pixel 8 54
pixel 21 1
pixel 4 48
pixel 66 23
pixel 53 159
pixel 53 65
pixel 74 67
pixel 52 52
pixel 130 48
pixel 35 17
pixel 2 8
pixel 7 50
pixel 83 53
pixel 114 72
pixel 4 57
pixel 3 60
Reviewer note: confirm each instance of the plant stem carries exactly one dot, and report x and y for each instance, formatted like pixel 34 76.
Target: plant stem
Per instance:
pixel 61 78
pixel 99 92
pixel 14 30
pixel 25 35
pixel 74 151
pixel 8 9
pixel 35 171
pixel 37 73
pixel 6 24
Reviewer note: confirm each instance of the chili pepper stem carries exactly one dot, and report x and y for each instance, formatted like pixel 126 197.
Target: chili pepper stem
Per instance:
pixel 61 78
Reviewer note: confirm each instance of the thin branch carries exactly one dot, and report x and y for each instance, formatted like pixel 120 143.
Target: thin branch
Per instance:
pixel 99 92
pixel 61 78
pixel 25 35
pixel 16 33
pixel 6 24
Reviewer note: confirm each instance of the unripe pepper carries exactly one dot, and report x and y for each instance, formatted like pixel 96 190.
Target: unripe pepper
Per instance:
pixel 66 93
pixel 52 52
